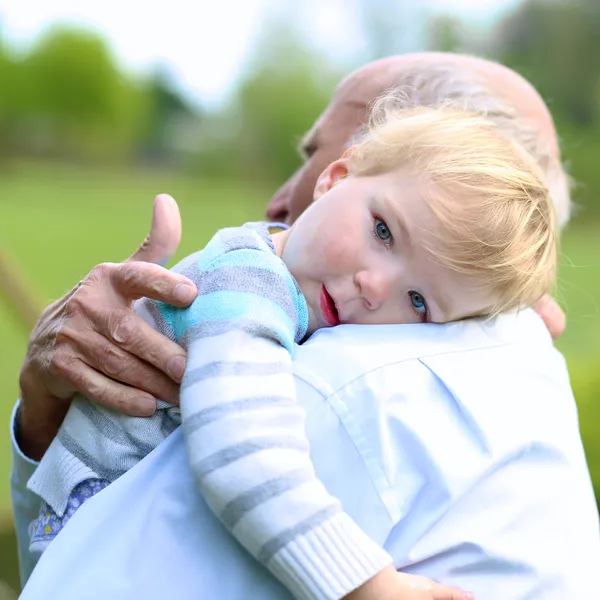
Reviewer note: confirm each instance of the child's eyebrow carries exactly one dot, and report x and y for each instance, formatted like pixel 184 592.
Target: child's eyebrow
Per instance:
pixel 392 209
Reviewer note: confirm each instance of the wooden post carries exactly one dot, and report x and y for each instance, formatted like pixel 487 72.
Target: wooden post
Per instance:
pixel 19 293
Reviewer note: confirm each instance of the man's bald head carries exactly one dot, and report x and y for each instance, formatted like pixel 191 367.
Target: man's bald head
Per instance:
pixel 428 79
pixel 372 80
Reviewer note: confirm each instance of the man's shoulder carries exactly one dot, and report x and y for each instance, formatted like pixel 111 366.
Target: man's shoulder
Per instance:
pixel 346 353
pixel 434 411
pixel 487 378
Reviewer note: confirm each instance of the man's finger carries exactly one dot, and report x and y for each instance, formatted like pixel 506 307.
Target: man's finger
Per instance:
pixel 120 365
pixel 112 394
pixel 165 233
pixel 131 333
pixel 134 280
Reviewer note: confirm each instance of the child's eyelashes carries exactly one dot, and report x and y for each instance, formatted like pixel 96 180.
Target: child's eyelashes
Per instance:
pixel 418 304
pixel 382 231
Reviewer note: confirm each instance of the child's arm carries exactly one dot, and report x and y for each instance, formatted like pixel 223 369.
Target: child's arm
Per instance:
pixel 245 432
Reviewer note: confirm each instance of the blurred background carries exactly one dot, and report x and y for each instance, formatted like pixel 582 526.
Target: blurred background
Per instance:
pixel 104 105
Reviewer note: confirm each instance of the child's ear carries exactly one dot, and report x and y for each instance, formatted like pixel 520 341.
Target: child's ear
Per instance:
pixel 334 173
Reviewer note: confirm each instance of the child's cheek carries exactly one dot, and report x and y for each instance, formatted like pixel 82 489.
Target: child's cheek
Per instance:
pixel 340 254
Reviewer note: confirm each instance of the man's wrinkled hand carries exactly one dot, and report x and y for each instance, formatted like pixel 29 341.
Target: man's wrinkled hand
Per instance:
pixel 91 342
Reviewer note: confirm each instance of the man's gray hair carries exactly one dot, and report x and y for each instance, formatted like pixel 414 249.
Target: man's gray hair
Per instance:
pixel 451 85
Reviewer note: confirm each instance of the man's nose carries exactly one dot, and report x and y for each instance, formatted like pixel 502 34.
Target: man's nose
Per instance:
pixel 278 208
pixel 373 286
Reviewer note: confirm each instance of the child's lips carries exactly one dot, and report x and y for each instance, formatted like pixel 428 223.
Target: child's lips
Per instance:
pixel 328 309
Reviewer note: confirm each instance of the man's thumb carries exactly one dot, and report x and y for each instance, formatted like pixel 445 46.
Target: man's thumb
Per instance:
pixel 165 232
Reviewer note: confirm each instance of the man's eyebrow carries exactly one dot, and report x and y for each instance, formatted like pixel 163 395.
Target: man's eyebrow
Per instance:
pixel 309 140
pixel 357 104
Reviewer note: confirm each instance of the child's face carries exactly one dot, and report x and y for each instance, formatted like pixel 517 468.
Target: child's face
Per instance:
pixel 358 255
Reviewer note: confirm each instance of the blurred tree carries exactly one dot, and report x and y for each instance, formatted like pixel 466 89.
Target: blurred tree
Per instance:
pixel 557 46
pixel 69 99
pixel 445 34
pixel 286 87
pixel 168 116
pixel 75 102
pixel 393 26
pixel 9 102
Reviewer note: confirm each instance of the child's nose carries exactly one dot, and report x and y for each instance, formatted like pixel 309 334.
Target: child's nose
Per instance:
pixel 373 287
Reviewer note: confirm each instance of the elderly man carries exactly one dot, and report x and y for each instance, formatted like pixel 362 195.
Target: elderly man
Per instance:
pixel 459 470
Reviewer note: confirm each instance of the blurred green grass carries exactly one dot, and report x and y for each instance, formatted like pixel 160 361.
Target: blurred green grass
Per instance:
pixel 57 221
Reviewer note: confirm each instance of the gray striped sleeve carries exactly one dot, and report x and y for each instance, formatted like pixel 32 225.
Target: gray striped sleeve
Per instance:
pixel 220 411
pixel 244 503
pixel 275 544
pixel 266 283
pixel 236 452
pixel 228 369
pixel 218 327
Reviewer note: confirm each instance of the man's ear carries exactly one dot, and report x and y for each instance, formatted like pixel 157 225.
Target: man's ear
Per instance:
pixel 334 173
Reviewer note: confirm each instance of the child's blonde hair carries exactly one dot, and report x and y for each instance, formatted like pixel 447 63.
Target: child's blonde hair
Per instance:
pixel 497 215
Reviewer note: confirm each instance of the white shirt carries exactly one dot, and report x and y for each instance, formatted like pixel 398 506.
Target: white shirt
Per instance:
pixel 455 446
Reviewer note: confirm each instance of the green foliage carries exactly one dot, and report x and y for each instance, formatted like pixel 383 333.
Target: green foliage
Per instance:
pixel 60 66
pixel 78 97
pixel 557 46
pixel 10 103
pixel 286 87
pixel 581 154
pixel 446 34
pixel 165 108
pixel 275 108
pixel 69 99
pixel 586 388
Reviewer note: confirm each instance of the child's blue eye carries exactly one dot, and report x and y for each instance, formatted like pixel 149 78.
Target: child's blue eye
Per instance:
pixel 382 231
pixel 418 302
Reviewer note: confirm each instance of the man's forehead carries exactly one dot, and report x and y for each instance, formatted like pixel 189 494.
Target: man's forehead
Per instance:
pixel 362 86
pixel 352 97
pixel 358 90
pixel 344 115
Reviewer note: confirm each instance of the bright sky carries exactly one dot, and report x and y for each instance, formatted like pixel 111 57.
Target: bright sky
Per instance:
pixel 204 42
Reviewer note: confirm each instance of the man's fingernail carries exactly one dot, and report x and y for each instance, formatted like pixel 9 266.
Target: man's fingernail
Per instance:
pixel 468 596
pixel 146 407
pixel 122 332
pixel 184 293
pixel 177 367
